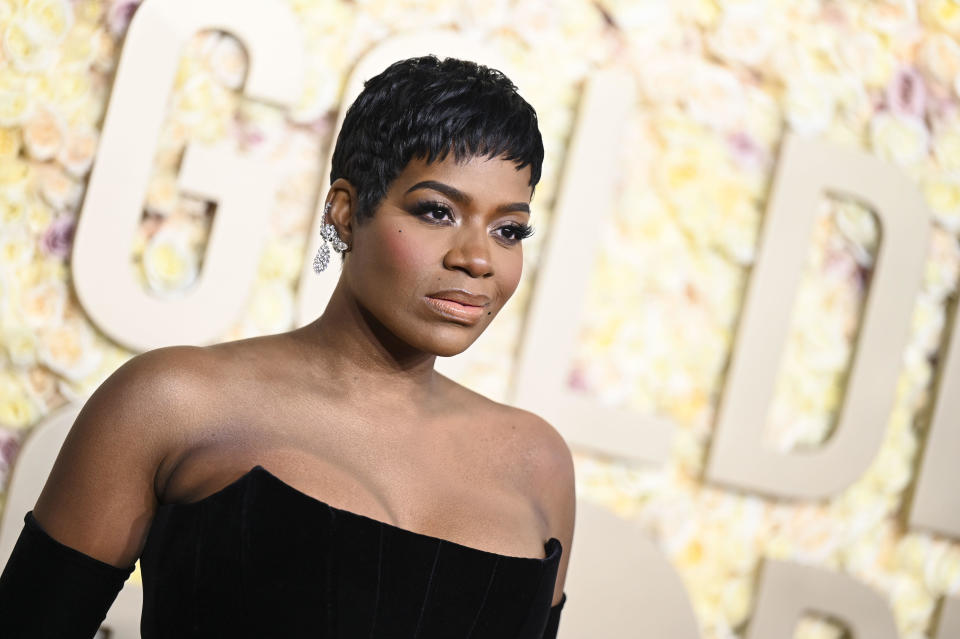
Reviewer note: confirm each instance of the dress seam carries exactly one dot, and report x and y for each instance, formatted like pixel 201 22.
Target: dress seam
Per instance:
pixel 483 602
pixel 426 595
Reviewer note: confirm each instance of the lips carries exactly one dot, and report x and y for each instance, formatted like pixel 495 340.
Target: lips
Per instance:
pixel 458 305
pixel 462 297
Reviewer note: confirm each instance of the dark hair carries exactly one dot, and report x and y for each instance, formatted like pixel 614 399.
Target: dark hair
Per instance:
pixel 424 107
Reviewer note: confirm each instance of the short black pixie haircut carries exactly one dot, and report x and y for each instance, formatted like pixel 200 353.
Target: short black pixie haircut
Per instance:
pixel 424 108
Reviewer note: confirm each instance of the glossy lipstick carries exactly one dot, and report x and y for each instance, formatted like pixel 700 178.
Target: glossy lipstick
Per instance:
pixel 459 305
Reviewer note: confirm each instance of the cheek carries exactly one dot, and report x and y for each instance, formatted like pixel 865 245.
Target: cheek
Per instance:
pixel 400 251
pixel 511 271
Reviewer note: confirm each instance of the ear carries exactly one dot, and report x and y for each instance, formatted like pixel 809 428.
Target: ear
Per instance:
pixel 342 198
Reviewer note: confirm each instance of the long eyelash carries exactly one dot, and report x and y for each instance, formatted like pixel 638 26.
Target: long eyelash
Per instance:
pixel 423 207
pixel 522 231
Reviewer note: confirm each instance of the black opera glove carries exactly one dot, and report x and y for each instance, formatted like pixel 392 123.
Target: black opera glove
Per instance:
pixel 553 621
pixel 49 590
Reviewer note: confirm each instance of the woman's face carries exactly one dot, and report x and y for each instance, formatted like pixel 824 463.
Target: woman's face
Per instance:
pixel 442 253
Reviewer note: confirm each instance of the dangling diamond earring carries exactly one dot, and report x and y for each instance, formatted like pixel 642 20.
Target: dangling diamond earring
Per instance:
pixel 329 234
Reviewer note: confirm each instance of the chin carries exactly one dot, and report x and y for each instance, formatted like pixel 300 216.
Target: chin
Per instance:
pixel 448 347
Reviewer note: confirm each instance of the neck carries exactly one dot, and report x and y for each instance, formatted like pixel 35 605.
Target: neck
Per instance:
pixel 348 347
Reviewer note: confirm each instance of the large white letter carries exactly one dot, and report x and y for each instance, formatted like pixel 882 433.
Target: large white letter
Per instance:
pixel 806 171
pixel 588 184
pixel 787 591
pixel 102 275
pixel 936 500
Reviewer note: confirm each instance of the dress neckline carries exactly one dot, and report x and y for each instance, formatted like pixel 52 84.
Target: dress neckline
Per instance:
pixel 552 547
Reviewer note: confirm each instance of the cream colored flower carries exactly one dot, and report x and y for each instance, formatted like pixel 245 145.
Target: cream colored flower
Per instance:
pixel 865 57
pixel 939 58
pixel 16 409
pixel 16 247
pixel 79 49
pixel 42 304
pixel 946 147
pixel 69 349
pixel 903 141
pixel 25 48
pixel 942 193
pixel 944 14
pixel 745 34
pixel 48 20
pixel 43 134
pixel 716 97
pixel 16 97
pixel 860 227
pixel 21 346
pixel 76 155
pixel 58 188
pixel 810 103
pixel 170 265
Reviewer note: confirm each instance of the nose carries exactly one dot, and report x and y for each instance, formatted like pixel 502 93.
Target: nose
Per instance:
pixel 470 253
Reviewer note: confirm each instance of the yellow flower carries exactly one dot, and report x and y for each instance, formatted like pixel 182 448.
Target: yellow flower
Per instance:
pixel 944 14
pixel 946 148
pixel 942 192
pixel 17 411
pixel 15 106
pixel 168 263
pixel 50 20
pixel 21 345
pixel 25 50
pixel 9 142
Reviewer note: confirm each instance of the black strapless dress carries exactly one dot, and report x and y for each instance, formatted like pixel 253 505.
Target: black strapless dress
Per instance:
pixel 259 558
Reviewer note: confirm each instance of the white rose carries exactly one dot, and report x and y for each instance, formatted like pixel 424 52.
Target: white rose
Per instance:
pixel 746 34
pixel 58 188
pixel 170 265
pixel 48 20
pixel 25 48
pixel 43 134
pixel 69 349
pixel 76 155
pixel 939 58
pixel 16 247
pixel 43 304
pixel 903 141
pixel 810 103
pixel 21 346
pixel 716 97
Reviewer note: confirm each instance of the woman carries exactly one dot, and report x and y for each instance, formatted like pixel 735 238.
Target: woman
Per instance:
pixel 328 482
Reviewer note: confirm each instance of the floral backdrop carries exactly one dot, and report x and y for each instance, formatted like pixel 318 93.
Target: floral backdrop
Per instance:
pixel 719 82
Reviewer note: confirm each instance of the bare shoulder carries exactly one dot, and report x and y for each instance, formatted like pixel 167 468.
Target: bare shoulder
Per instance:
pixel 553 481
pixel 100 495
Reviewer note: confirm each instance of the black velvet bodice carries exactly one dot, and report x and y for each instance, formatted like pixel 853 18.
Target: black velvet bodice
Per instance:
pixel 259 558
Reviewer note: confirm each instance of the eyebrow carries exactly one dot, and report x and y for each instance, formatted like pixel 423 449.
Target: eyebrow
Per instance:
pixel 462 198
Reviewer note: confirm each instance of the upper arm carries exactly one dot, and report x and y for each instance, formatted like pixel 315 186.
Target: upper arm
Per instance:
pixel 556 485
pixel 100 496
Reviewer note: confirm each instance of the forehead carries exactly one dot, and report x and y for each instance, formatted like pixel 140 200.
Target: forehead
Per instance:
pixel 480 177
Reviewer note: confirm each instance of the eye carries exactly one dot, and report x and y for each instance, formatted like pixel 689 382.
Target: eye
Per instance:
pixel 433 212
pixel 514 233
